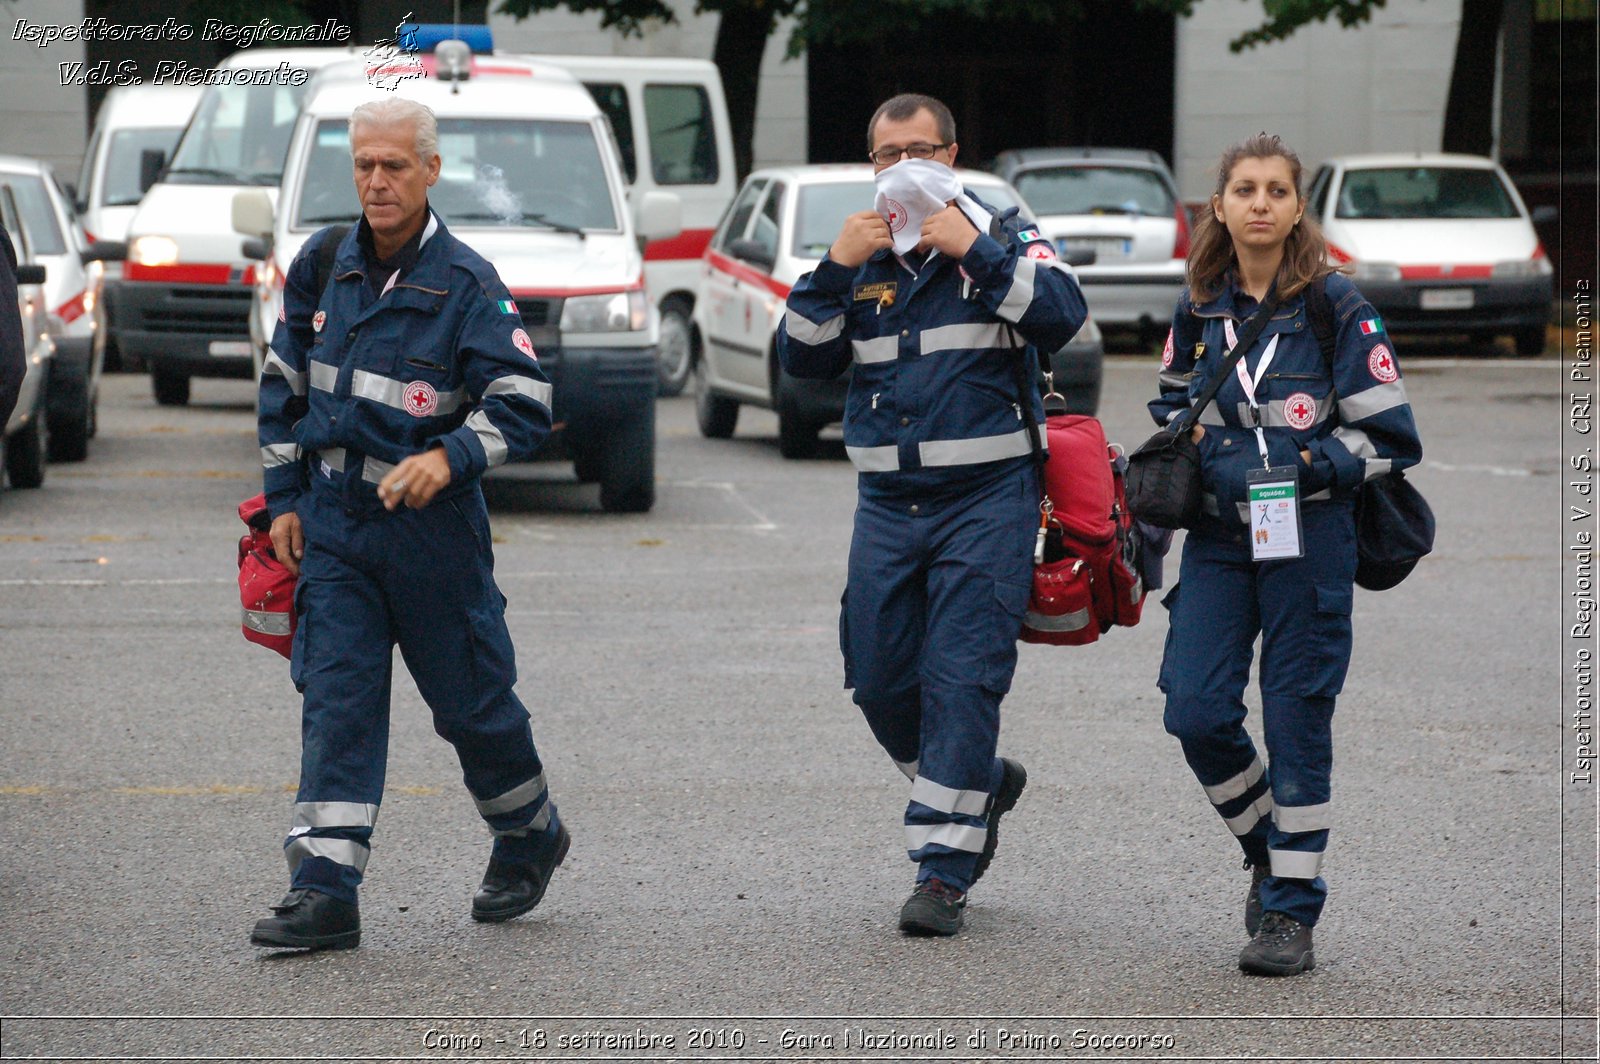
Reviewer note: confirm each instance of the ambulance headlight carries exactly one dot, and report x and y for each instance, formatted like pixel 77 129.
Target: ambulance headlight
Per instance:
pixel 612 312
pixel 154 251
pixel 1362 270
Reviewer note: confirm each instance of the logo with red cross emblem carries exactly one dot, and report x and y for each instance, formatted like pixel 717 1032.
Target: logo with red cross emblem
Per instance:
pixel 1381 364
pixel 317 319
pixel 1166 352
pixel 1041 250
pixel 524 344
pixel 897 215
pixel 420 399
pixel 1300 411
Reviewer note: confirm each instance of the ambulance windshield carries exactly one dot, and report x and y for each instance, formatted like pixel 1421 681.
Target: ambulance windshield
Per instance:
pixel 239 136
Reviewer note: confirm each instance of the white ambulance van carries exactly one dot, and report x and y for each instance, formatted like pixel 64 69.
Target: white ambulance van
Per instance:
pixel 530 180
pixel 671 124
pixel 185 294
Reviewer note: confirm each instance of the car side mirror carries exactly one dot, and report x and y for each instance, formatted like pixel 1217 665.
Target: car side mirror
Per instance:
pixel 151 160
pixel 752 252
pixel 659 216
pixel 254 248
pixel 32 273
pixel 105 251
pixel 1546 214
pixel 252 213
pixel 1079 257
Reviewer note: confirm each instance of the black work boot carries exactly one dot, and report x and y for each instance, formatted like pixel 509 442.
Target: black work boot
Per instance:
pixel 934 908
pixel 1013 777
pixel 511 888
pixel 1252 899
pixel 309 919
pixel 1281 947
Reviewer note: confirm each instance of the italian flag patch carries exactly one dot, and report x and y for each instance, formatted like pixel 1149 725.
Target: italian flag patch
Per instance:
pixel 1027 235
pixel 508 307
pixel 1371 325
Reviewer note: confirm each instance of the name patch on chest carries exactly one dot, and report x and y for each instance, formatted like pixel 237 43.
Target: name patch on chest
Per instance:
pixel 881 292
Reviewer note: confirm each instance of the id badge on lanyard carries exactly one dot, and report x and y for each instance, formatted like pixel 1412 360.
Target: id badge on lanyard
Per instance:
pixel 1273 492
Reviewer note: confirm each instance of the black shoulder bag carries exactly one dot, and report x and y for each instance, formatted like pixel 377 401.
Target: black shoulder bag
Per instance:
pixel 1394 523
pixel 1163 479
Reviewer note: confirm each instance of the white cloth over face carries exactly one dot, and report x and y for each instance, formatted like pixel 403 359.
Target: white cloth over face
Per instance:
pixel 911 190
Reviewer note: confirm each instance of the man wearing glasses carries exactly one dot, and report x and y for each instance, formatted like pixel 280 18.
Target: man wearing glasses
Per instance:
pixel 941 338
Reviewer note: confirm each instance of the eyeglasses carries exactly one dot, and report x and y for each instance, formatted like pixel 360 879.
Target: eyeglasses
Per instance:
pixel 888 156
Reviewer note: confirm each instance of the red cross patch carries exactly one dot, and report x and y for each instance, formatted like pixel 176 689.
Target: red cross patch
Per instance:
pixel 1300 411
pixel 420 399
pixel 897 215
pixel 1166 352
pixel 523 343
pixel 1380 363
pixel 317 319
pixel 1041 250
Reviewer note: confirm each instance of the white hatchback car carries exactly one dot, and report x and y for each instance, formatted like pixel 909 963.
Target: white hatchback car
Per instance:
pixel 1437 243
pixel 778 228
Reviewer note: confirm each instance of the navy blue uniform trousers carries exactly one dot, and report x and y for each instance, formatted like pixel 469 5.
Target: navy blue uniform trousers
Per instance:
pixel 422 579
pixel 928 626
pixel 1301 609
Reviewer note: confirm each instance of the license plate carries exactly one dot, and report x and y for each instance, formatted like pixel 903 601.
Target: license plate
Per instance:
pixel 230 347
pixel 1104 247
pixel 1447 299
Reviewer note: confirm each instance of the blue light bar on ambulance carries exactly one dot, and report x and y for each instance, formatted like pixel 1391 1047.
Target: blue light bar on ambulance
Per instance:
pixel 427 36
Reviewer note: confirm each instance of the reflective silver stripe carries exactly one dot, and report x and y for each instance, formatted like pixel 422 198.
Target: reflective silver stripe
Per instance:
pixel 1317 496
pixel 948 799
pixel 267 622
pixel 277 454
pixel 1243 510
pixel 1232 788
pixel 981 449
pixel 538 391
pixel 1173 415
pixel 540 821
pixel 494 444
pixel 1066 622
pixel 1272 415
pixel 955 836
pixel 373 471
pixel 1378 467
pixel 334 815
pixel 809 332
pixel 1241 824
pixel 973 336
pixel 334 457
pixel 1020 295
pixel 881 349
pixel 1358 443
pixel 390 392
pixel 1212 416
pixel 1295 864
pixel 339 851
pixel 1297 818
pixel 515 798
pixel 274 364
pixel 1208 503
pixel 323 376
pixel 1168 379
pixel 908 767
pixel 1374 400
pixel 872 459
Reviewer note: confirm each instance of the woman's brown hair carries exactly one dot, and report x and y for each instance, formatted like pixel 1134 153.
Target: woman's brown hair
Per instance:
pixel 1211 257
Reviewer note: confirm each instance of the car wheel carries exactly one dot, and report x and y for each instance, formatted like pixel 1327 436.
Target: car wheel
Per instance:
pixel 628 478
pixel 1530 341
pixel 25 452
pixel 172 389
pixel 797 434
pixel 676 351
pixel 715 414
pixel 69 408
pixel 587 460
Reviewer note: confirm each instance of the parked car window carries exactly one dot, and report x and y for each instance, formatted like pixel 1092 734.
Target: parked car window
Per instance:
pixel 499 172
pixel 1319 186
pixel 86 169
pixel 613 101
pixel 683 149
pixel 239 133
pixel 122 163
pixel 1424 192
pixel 1095 190
pixel 38 215
pixel 821 211
pixel 765 231
pixel 739 214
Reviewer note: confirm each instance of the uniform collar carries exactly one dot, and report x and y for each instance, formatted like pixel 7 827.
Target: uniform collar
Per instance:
pixel 419 260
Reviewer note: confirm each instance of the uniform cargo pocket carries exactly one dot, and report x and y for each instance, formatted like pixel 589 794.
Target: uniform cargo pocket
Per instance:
pixel 1002 632
pixel 1329 653
pixel 299 651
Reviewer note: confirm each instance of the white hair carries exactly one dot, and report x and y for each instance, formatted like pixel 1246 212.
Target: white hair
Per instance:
pixel 398 111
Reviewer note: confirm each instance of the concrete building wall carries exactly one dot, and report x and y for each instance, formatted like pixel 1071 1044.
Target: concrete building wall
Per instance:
pixel 39 116
pixel 1326 90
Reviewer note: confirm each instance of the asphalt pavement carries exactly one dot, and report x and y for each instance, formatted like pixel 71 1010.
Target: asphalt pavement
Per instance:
pixel 737 863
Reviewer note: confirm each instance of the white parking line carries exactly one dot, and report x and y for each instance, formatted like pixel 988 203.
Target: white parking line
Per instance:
pixel 1499 471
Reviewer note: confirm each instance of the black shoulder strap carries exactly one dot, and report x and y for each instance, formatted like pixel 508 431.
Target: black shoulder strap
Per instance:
pixel 1025 391
pixel 1319 308
pixel 326 254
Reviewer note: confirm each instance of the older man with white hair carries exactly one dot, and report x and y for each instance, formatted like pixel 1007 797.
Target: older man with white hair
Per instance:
pixel 398 375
